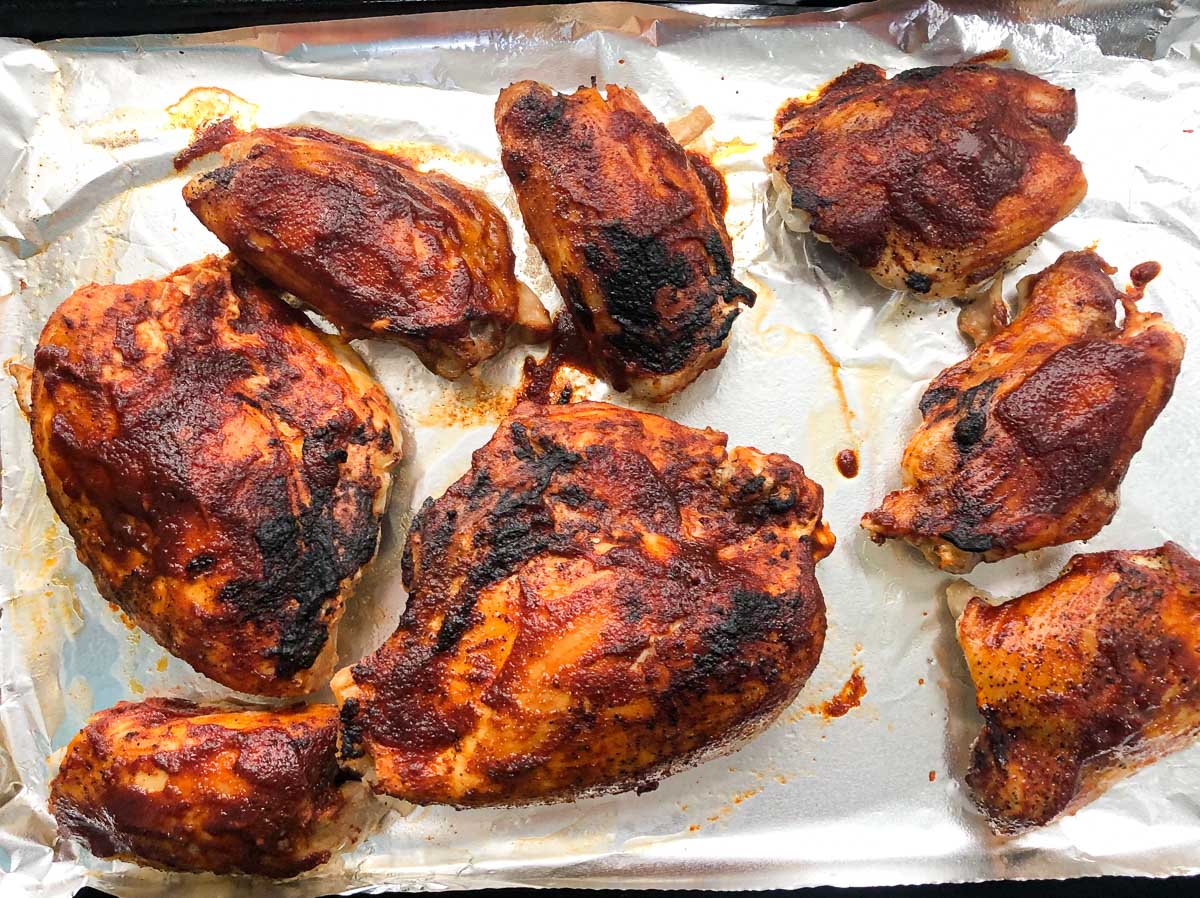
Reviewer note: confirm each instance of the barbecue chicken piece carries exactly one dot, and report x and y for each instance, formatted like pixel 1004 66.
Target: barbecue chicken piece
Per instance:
pixel 1025 442
pixel 934 181
pixel 1082 682
pixel 604 598
pixel 174 785
pixel 631 234
pixel 222 466
pixel 376 246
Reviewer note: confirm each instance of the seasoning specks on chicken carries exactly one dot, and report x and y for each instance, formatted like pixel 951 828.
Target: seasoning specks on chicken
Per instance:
pixel 605 597
pixel 222 465
pixel 933 181
pixel 631 233
pixel 1082 682
pixel 1024 443
pixel 376 246
pixel 180 786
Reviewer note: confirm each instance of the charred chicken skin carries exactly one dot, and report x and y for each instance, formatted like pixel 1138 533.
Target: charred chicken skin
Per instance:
pixel 634 239
pixel 170 784
pixel 1024 444
pixel 1082 682
pixel 221 463
pixel 605 597
pixel 933 181
pixel 376 246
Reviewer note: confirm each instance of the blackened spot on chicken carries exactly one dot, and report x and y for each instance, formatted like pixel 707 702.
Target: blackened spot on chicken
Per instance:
pixel 456 622
pixel 200 563
pixel 751 616
pixel 934 397
pixel 964 536
pixel 573 494
pixel 631 269
pixel 300 565
pixel 973 406
pixel 520 527
pixel 723 282
pixel 918 283
pixel 807 200
pixel 540 111
pixel 352 730
pixel 578 305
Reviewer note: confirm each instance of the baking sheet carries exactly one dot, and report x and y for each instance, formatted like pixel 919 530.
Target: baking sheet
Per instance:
pixel 824 362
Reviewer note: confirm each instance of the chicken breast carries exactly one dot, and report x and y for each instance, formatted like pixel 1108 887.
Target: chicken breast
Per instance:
pixel 376 246
pixel 1082 682
pixel 933 181
pixel 170 784
pixel 604 598
pixel 632 235
pixel 222 465
pixel 1024 443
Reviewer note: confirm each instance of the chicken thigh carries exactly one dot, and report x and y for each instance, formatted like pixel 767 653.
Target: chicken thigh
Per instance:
pixel 376 246
pixel 179 786
pixel 1024 443
pixel 631 233
pixel 604 598
pixel 932 181
pixel 1083 681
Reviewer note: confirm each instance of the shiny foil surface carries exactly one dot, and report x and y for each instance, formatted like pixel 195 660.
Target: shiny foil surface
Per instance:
pixel 857 783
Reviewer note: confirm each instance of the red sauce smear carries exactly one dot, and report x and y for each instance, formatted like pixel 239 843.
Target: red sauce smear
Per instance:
pixel 210 138
pixel 848 698
pixel 847 463
pixel 1144 273
pixel 567 348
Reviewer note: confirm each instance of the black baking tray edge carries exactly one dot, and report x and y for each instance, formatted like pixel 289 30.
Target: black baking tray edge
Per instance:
pixel 41 20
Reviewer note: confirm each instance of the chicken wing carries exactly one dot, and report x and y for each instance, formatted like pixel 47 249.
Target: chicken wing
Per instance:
pixel 1082 682
pixel 605 597
pixel 933 181
pixel 174 785
pixel 221 463
pixel 629 230
pixel 376 246
pixel 1025 443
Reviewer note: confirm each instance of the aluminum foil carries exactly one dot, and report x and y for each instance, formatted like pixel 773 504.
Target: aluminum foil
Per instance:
pixel 825 361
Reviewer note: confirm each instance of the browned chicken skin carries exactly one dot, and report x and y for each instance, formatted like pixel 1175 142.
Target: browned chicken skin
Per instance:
pixel 1025 442
pixel 631 233
pixel 221 463
pixel 933 180
pixel 174 785
pixel 1083 681
pixel 604 598
pixel 376 246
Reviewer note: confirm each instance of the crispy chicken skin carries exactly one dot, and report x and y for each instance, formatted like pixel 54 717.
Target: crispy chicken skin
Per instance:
pixel 1082 682
pixel 1024 443
pixel 604 598
pixel 376 246
pixel 631 233
pixel 170 784
pixel 221 463
pixel 934 180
